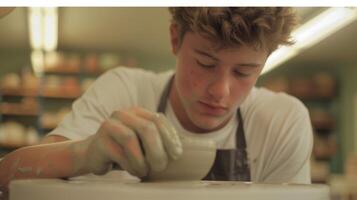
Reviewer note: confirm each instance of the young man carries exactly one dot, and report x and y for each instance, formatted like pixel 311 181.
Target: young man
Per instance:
pixel 261 136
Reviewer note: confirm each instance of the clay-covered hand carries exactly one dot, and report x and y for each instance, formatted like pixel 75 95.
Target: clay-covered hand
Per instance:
pixel 136 139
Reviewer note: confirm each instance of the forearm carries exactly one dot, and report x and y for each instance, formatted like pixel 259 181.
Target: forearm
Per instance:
pixel 56 160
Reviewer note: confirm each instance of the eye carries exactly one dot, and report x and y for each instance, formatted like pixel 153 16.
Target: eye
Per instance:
pixel 205 65
pixel 240 74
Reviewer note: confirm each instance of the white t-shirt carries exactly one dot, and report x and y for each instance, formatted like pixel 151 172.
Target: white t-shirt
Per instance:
pixel 277 126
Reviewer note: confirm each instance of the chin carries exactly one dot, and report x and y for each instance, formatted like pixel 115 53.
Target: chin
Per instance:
pixel 207 123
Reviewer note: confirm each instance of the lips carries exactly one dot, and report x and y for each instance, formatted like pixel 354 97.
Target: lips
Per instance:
pixel 212 109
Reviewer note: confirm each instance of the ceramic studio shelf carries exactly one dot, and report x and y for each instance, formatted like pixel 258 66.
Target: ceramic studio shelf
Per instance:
pixel 329 124
pixel 18 109
pixel 19 92
pixel 62 70
pixel 61 94
pixel 20 113
pixel 47 93
pixel 69 71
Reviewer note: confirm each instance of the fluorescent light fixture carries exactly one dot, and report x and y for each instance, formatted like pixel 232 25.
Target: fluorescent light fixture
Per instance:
pixel 50 23
pixel 322 26
pixel 38 61
pixel 36 33
pixel 43 35
pixel 312 32
pixel 43 28
pixel 278 57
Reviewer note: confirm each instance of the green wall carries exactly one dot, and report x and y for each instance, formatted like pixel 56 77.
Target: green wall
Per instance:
pixel 12 60
pixel 348 120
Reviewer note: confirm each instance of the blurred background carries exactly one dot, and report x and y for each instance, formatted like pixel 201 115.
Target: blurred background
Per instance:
pixel 49 56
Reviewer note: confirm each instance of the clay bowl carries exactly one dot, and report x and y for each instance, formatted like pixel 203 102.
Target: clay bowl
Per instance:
pixel 194 164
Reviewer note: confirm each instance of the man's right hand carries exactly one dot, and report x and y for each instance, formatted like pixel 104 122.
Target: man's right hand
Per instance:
pixel 136 139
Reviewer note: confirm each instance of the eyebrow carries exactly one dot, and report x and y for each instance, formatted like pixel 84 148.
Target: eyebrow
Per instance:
pixel 216 59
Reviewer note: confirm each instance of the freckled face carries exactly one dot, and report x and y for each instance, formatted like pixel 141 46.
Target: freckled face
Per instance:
pixel 211 84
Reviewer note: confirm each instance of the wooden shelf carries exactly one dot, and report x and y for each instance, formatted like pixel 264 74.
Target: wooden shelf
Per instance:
pixel 324 155
pixel 19 113
pixel 58 93
pixel 18 109
pixel 19 92
pixel 327 123
pixel 69 71
pixel 97 72
pixel 47 93
pixel 62 70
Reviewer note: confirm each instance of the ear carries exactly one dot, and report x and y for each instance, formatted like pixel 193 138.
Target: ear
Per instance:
pixel 174 38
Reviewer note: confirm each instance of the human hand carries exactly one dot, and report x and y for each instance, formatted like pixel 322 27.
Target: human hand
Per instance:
pixel 136 139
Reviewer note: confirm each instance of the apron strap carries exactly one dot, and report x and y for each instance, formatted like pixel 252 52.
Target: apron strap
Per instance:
pixel 165 95
pixel 240 138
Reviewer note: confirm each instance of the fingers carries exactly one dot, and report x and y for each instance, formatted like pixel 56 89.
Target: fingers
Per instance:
pixel 159 139
pixel 129 147
pixel 115 153
pixel 169 136
pixel 102 153
pixel 149 135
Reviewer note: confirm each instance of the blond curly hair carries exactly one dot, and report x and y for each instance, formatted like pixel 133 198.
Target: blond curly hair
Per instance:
pixel 263 27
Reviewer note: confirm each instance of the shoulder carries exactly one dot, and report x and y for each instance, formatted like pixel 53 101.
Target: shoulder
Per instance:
pixel 275 118
pixel 126 74
pixel 130 72
pixel 279 134
pixel 139 75
pixel 268 104
pixel 132 79
pixel 144 87
pixel 123 87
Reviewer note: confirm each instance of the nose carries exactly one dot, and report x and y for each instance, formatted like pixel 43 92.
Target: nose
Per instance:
pixel 219 88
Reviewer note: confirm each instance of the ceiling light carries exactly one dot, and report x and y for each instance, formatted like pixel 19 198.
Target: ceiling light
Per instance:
pixel 312 32
pixel 43 24
pixel 37 61
pixel 43 28
pixel 50 23
pixel 36 28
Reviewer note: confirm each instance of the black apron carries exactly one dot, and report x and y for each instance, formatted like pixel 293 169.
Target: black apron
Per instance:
pixel 230 164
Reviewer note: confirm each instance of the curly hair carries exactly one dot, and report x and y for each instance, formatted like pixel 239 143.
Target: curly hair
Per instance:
pixel 263 27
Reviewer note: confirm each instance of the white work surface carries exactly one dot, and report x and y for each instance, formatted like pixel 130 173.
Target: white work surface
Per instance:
pixel 116 187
